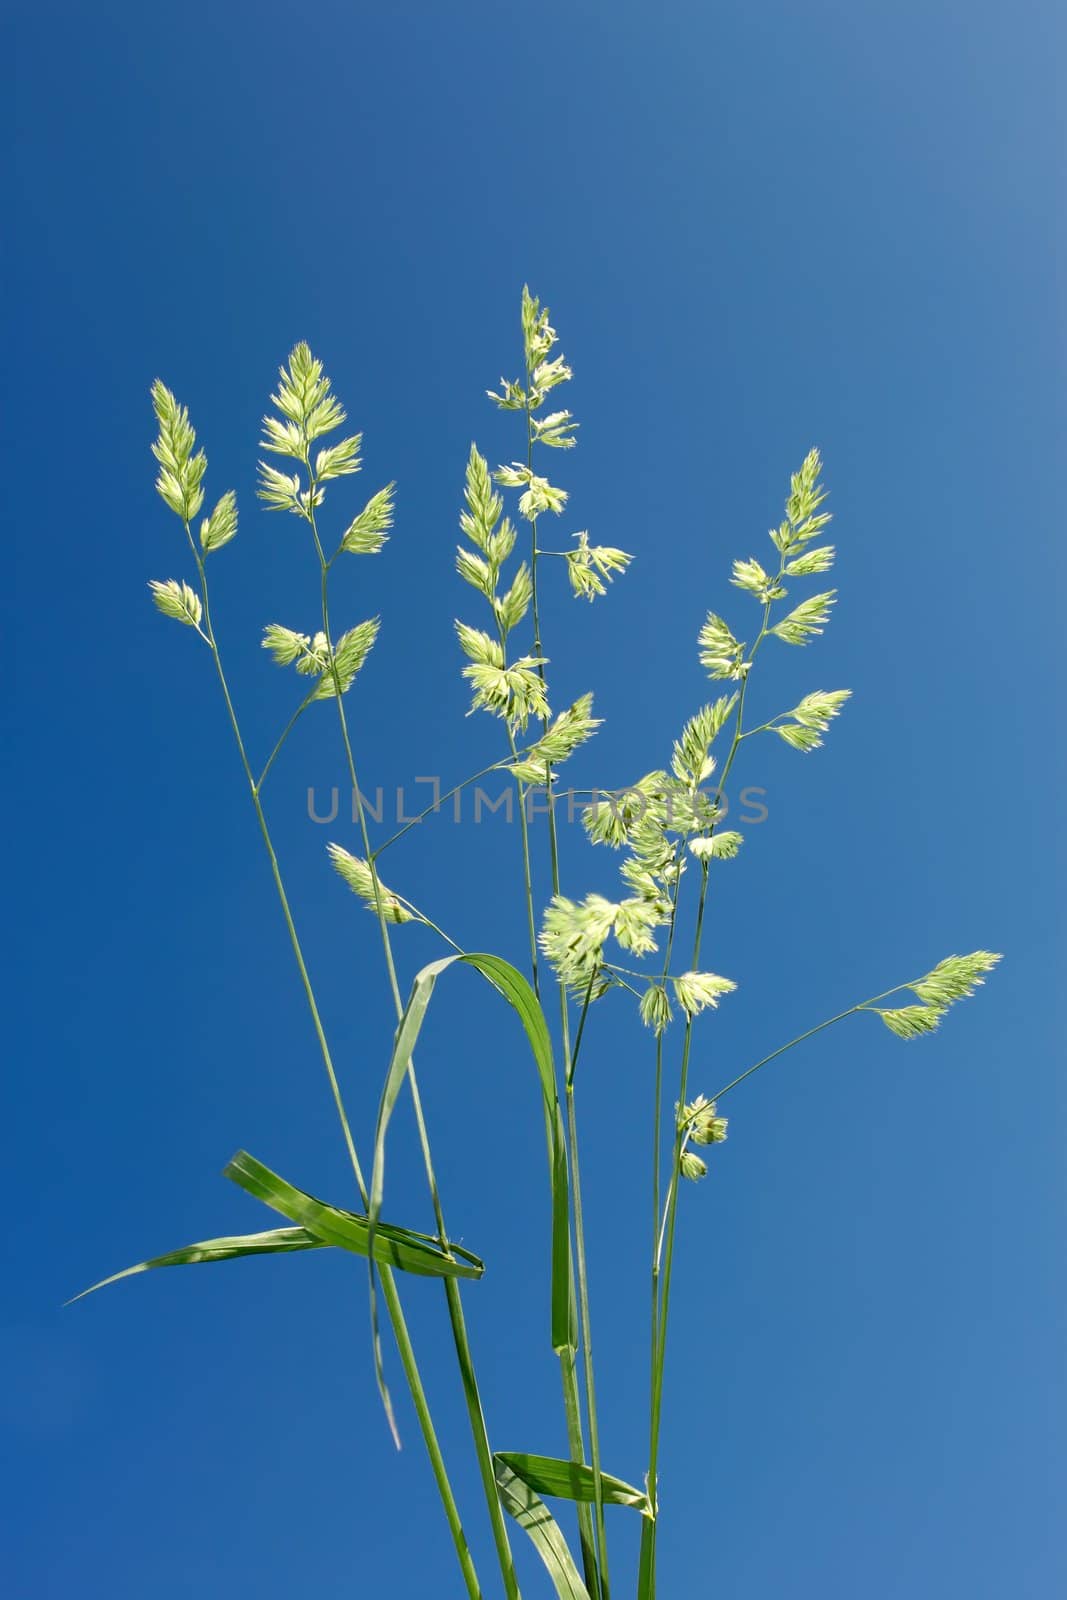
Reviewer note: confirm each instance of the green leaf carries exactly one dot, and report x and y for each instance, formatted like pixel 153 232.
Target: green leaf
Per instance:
pixel 532 1515
pixel 515 989
pixel 276 1241
pixel 571 1481
pixel 520 996
pixel 393 1247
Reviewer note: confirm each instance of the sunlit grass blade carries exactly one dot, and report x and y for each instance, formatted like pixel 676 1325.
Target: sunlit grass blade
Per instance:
pixel 570 1480
pixel 515 989
pixel 519 994
pixel 521 997
pixel 276 1241
pixel 392 1246
pixel 532 1515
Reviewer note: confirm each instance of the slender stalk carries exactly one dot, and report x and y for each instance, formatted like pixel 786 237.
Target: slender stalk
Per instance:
pixel 389 1289
pixel 648 1526
pixel 657 1136
pixel 283 736
pixel 572 1409
pixel 435 805
pixel 572 1065
pixel 433 927
pixel 583 1288
pixel 598 1580
pixel 670 1215
pixel 452 1291
pixel 527 868
pixel 665 1232
pixel 863 1005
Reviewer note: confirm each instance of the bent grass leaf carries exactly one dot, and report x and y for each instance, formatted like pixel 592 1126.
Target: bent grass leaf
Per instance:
pixel 571 1480
pixel 534 1517
pixel 276 1241
pixel 520 996
pixel 393 1247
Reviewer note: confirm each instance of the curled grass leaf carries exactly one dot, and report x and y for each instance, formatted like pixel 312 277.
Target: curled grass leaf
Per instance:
pixel 392 1247
pixel 520 996
pixel 534 1517
pixel 571 1480
pixel 276 1241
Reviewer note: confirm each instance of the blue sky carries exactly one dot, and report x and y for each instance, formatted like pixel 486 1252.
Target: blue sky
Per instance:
pixel 758 228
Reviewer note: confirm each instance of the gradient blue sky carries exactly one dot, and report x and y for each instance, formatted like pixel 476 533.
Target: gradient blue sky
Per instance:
pixel 758 227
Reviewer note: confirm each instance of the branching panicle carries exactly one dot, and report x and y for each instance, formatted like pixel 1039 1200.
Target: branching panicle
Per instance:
pixel 668 826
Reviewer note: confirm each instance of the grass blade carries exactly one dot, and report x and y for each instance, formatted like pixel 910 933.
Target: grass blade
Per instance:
pixel 392 1246
pixel 277 1241
pixel 570 1480
pixel 509 982
pixel 517 991
pixel 532 1515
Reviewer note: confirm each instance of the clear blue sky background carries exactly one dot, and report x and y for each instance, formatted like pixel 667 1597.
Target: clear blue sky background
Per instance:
pixel 758 227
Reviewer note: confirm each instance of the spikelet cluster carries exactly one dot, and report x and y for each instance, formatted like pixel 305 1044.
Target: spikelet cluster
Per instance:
pixel 512 685
pixel 179 484
pixel 306 410
pixel 699 1123
pixel 652 819
pixel 953 979
pixel 669 815
pixel 724 655
pixel 361 880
